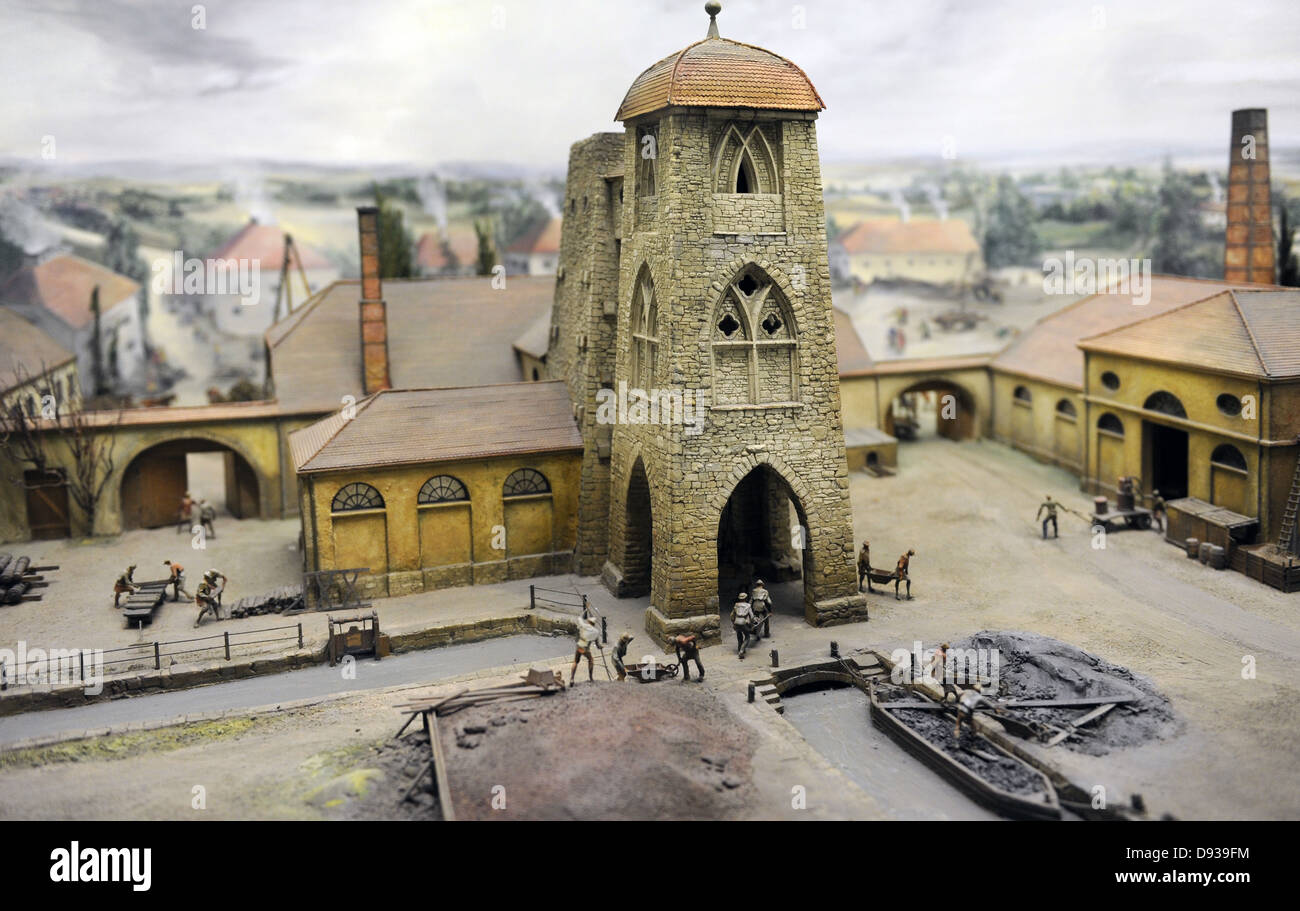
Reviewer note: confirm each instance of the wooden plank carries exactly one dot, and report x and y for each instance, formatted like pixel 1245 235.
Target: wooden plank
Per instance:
pixel 1075 725
pixel 440 768
pixel 1066 703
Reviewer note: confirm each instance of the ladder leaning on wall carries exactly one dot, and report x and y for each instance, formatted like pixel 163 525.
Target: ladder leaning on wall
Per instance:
pixel 1286 536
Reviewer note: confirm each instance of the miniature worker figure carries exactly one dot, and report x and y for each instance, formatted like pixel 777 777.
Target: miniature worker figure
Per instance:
pixel 688 649
pixel 1158 510
pixel 900 574
pixel 207 600
pixel 185 515
pixel 967 703
pixel 211 577
pixel 937 669
pixel 124 585
pixel 864 565
pixel 742 618
pixel 1048 505
pixel 761 601
pixel 587 634
pixel 620 652
pixel 176 580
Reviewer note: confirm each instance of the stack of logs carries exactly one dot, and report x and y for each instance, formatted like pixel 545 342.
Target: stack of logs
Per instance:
pixel 18 578
pixel 284 600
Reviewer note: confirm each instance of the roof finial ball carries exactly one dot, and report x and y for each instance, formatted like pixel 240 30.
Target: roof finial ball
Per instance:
pixel 713 7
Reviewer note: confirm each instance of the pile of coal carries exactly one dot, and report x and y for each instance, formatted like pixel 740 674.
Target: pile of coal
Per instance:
pixel 287 599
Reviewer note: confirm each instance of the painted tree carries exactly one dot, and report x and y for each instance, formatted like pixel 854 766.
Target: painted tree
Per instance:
pixel 487 256
pixel 1010 237
pixel 1288 267
pixel 395 241
pixel 1180 239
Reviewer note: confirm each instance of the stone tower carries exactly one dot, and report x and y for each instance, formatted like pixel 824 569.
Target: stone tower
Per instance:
pixel 693 322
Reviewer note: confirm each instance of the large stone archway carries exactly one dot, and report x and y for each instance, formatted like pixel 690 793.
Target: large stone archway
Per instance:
pixel 763 534
pixel 952 409
pixel 155 478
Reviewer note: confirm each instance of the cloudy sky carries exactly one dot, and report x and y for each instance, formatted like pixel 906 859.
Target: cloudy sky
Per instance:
pixel 425 81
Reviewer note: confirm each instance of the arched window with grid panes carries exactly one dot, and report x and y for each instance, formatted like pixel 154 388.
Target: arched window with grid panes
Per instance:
pixel 525 482
pixel 357 496
pixel 442 488
pixel 755 343
pixel 645 334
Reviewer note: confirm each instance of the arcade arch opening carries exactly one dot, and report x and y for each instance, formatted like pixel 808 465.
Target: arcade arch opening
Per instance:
pixel 931 408
pixel 763 534
pixel 156 480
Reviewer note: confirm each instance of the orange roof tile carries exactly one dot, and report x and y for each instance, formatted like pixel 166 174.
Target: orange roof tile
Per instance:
pixel 1049 350
pixel 431 251
pixel 852 354
pixel 543 237
pixel 1243 332
pixel 415 426
pixel 886 235
pixel 718 72
pixel 63 285
pixel 265 243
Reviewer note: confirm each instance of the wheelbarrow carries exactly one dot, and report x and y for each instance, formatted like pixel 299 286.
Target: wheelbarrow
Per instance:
pixel 651 671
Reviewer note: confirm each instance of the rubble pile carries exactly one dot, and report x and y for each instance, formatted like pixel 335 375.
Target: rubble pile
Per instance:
pixel 287 599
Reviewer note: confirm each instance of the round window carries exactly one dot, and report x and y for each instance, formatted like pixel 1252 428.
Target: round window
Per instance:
pixel 1110 380
pixel 1229 404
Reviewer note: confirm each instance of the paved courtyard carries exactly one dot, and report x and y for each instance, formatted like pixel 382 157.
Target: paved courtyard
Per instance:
pixel 968 511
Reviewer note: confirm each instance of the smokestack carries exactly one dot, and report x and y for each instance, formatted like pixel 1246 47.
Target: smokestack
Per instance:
pixel 374 316
pixel 1248 248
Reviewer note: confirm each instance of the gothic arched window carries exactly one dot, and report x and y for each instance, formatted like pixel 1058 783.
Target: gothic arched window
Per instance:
pixel 524 482
pixel 442 488
pixel 647 155
pixel 754 343
pixel 645 335
pixel 356 496
pixel 745 162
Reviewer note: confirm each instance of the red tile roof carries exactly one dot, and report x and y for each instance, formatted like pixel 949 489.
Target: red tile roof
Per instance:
pixel 852 354
pixel 265 243
pixel 886 235
pixel 543 237
pixel 63 284
pixel 1247 333
pixel 417 426
pixel 430 252
pixel 718 72
pixel 1049 350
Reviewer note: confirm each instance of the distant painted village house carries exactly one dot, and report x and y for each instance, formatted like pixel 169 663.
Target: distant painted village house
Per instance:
pixel 55 295
pixel 262 248
pixel 537 252
pixel 936 252
pixel 450 252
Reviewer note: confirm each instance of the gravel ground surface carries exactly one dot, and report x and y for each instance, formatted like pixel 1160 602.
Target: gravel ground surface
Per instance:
pixel 601 751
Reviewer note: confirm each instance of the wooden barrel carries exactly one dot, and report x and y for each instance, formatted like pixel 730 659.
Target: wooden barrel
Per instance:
pixel 1193 548
pixel 1217 558
pixel 1100 506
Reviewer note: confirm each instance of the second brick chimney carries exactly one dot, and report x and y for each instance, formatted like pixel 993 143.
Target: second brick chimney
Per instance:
pixel 374 315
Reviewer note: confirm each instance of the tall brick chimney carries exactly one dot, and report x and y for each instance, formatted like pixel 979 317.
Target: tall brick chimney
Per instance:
pixel 374 315
pixel 1248 249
